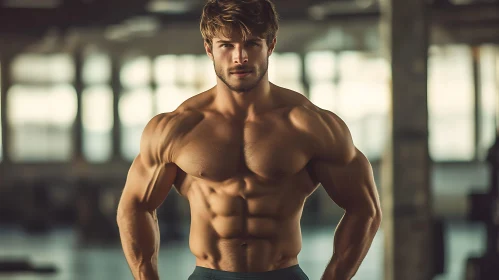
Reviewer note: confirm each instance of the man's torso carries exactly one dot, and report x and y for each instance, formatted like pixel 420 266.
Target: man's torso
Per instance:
pixel 246 182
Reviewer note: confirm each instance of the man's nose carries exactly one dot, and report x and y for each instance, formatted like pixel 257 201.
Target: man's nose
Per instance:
pixel 240 55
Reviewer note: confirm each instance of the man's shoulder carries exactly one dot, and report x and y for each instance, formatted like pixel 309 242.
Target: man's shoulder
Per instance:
pixel 328 131
pixel 190 110
pixel 163 132
pixel 301 108
pixel 310 118
pixel 197 102
pixel 173 122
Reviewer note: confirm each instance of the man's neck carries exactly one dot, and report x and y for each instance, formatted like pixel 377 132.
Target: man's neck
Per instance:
pixel 243 104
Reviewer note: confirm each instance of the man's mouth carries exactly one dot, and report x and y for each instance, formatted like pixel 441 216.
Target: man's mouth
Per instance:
pixel 240 72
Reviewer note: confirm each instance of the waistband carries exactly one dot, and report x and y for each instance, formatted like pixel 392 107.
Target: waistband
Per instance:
pixel 284 273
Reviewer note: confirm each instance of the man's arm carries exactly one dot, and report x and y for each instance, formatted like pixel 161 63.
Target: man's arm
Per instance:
pixel 149 180
pixel 346 175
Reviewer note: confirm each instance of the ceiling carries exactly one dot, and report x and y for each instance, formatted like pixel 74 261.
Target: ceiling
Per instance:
pixel 173 24
pixel 36 15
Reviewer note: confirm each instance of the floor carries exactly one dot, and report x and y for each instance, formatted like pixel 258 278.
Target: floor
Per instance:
pixel 107 262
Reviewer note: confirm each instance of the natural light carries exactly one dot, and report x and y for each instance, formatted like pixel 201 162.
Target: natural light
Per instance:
pixel 136 72
pixel 96 69
pixel 450 103
pixel 41 120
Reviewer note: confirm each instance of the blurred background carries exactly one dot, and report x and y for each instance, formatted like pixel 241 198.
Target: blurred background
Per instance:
pixel 80 79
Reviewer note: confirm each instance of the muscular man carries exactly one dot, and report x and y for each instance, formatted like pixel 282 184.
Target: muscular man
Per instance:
pixel 246 154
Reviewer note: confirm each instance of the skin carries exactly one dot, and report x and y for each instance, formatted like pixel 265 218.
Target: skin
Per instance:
pixel 246 155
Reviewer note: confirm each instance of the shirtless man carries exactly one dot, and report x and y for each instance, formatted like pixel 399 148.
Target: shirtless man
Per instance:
pixel 246 154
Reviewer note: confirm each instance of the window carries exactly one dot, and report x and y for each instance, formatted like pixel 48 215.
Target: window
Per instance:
pixel 320 66
pixel 35 68
pixel 450 103
pixel 169 97
pixel 322 95
pixel 136 106
pixel 165 69
pixel 97 118
pixel 489 69
pixel 186 70
pixel 320 72
pixel 285 69
pixel 135 110
pixel 355 86
pixel 97 108
pixel 363 99
pixel 136 72
pixel 180 77
pixel 96 69
pixel 42 108
pixel 207 77
pixel 41 119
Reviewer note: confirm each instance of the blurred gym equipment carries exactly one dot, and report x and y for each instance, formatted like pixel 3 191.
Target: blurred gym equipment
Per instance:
pixel 485 209
pixel 25 266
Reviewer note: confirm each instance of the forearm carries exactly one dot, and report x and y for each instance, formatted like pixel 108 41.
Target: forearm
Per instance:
pixel 353 238
pixel 139 235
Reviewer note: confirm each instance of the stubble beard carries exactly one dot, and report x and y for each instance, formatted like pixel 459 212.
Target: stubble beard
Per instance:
pixel 241 88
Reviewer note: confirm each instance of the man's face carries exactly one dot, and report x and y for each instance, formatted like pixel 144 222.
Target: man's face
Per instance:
pixel 241 65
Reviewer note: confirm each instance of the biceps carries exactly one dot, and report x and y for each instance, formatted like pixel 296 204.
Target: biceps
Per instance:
pixel 148 185
pixel 351 186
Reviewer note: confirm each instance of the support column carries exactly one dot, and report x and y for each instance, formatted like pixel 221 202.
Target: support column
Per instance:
pixel 153 84
pixel 304 79
pixel 477 86
pixel 337 79
pixel 485 209
pixel 406 195
pixel 6 83
pixel 116 87
pixel 78 124
pixel 496 76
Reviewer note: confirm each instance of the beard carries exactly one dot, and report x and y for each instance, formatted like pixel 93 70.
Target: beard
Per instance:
pixel 242 85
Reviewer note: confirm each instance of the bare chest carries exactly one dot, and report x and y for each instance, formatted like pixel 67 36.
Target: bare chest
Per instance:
pixel 270 149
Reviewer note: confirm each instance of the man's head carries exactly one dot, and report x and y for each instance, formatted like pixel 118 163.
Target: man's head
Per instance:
pixel 239 36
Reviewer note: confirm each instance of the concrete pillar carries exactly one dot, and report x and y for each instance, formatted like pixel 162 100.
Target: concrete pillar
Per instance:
pixel 6 83
pixel 116 87
pixel 153 84
pixel 496 75
pixel 406 195
pixel 477 87
pixel 78 124
pixel 304 80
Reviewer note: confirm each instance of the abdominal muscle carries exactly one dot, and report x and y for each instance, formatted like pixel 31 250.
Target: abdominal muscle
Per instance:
pixel 256 231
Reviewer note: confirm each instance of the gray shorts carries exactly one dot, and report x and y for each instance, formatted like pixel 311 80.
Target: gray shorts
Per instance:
pixel 289 273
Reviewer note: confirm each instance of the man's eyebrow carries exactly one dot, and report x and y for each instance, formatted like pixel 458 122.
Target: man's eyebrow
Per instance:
pixel 256 40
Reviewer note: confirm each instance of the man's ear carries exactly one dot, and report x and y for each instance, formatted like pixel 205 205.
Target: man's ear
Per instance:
pixel 272 46
pixel 208 49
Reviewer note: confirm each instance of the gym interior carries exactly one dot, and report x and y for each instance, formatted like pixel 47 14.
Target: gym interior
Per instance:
pixel 417 83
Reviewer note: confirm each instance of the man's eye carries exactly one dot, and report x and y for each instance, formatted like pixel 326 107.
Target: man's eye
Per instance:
pixel 226 45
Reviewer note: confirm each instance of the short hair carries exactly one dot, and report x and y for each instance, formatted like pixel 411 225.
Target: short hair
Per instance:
pixel 248 17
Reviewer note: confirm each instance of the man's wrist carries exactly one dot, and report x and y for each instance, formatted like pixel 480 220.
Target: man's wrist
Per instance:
pixel 334 271
pixel 147 272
